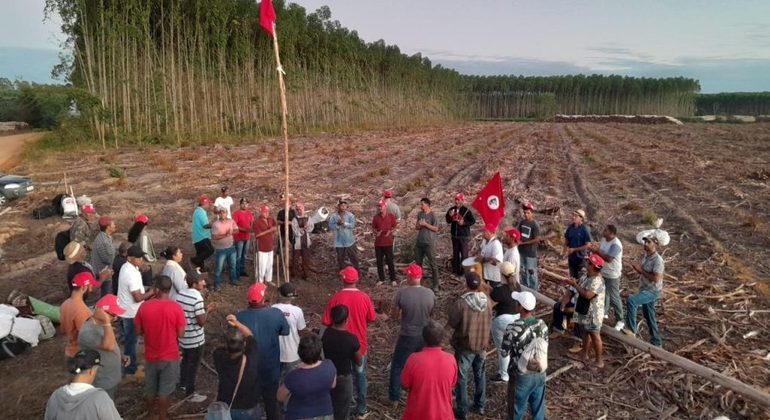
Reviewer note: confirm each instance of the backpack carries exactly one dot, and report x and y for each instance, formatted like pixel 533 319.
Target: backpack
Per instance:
pixel 61 241
pixel 534 358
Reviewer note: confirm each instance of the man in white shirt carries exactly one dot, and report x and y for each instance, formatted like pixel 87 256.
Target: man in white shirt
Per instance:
pixel 296 320
pixel 611 250
pixel 491 254
pixel 225 201
pixel 131 294
pixel 511 254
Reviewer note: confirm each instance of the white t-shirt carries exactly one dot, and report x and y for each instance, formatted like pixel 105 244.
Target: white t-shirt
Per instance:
pixel 290 343
pixel 129 280
pixel 512 256
pixel 176 273
pixel 492 249
pixel 613 248
pixel 225 202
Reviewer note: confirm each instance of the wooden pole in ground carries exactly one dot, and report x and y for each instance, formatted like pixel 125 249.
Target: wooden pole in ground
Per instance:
pixel 285 128
pixel 746 391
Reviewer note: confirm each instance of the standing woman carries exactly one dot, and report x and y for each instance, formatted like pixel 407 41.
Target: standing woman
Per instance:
pixel 310 384
pixel 137 235
pixel 173 269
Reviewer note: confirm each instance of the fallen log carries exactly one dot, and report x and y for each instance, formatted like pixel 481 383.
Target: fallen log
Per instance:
pixel 747 391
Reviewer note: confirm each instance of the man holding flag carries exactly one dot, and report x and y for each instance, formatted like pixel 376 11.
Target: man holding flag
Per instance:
pixel 490 202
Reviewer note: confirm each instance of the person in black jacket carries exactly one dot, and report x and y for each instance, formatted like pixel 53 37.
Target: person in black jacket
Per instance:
pixel 460 219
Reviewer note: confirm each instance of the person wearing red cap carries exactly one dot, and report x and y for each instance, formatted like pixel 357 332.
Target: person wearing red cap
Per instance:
pixel 425 246
pixel 74 311
pixel 264 232
pixel 414 305
pixel 85 228
pixel 267 324
pixel 103 252
pixel 384 224
pixel 97 334
pixel 361 314
pixel 511 241
pixel 201 233
pixel 460 219
pixel 530 238
pixel 490 254
pixel 590 307
pixel 392 207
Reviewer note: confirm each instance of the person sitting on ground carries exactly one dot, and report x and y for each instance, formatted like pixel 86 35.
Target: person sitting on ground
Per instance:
pixel 504 311
pixel 342 348
pixel 97 334
pixel 162 322
pixel 611 250
pixel 103 252
pixel 74 312
pixel 85 228
pixel 429 376
pixel 383 225
pixel 75 255
pixel 309 385
pixel 79 399
pixel 224 201
pixel 296 320
pixel 236 366
pixel 173 270
pixel 650 272
pixel 526 343
pixel 191 344
pixel 591 315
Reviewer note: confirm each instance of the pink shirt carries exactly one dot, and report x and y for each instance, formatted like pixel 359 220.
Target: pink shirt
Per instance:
pixel 227 227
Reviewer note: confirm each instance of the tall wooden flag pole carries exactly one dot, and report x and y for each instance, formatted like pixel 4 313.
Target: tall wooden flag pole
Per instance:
pixel 267 21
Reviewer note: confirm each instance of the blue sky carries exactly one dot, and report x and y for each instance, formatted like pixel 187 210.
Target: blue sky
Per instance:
pixel 726 45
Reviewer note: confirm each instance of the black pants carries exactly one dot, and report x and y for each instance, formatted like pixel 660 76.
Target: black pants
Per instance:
pixel 269 400
pixel 188 369
pixel 348 253
pixel 203 250
pixel 384 255
pixel 459 253
pixel 342 395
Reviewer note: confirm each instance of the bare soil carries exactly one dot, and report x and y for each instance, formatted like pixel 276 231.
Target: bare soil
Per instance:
pixel 709 183
pixel 11 146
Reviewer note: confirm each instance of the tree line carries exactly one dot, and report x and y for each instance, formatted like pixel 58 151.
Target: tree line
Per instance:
pixel 733 103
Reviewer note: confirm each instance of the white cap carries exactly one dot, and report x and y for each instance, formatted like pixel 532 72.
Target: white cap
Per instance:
pixel 526 299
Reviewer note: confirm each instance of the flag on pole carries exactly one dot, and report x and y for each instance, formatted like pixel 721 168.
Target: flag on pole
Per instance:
pixel 267 17
pixel 490 202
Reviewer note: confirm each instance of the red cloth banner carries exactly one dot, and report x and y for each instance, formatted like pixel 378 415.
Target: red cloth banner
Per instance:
pixel 267 17
pixel 490 202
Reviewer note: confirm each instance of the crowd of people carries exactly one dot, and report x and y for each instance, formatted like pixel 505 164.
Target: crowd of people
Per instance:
pixel 271 365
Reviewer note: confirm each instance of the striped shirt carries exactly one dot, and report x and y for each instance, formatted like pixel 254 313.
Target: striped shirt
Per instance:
pixel 191 302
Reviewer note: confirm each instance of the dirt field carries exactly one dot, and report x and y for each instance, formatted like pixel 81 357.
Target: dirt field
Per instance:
pixel 709 182
pixel 11 145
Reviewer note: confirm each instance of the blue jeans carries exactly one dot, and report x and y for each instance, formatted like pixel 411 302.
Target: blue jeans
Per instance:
pixel 529 273
pixel 221 255
pixel 499 324
pixel 405 346
pixel 129 345
pixel 647 299
pixel 361 384
pixel 467 360
pixel 241 249
pixel 523 390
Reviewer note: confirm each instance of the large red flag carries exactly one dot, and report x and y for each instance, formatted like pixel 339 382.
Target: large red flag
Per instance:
pixel 490 202
pixel 267 16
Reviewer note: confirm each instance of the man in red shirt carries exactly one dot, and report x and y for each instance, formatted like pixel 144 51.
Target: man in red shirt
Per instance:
pixel 162 322
pixel 264 232
pixel 384 223
pixel 429 376
pixel 361 313
pixel 243 218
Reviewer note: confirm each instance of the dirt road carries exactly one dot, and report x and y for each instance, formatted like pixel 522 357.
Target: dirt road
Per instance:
pixel 709 183
pixel 11 147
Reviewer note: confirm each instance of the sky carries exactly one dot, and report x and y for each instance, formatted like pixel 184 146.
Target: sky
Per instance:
pixel 726 45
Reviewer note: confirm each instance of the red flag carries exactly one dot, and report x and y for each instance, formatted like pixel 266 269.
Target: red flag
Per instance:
pixel 490 202
pixel 267 16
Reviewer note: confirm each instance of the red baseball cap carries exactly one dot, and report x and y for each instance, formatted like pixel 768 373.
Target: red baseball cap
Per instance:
pixel 89 209
pixel 595 259
pixel 264 209
pixel 514 233
pixel 109 304
pixel 528 206
pixel 490 227
pixel 105 221
pixel 256 293
pixel 349 274
pixel 387 193
pixel 413 271
pixel 204 199
pixel 142 218
pixel 381 203
pixel 84 279
pixel 460 196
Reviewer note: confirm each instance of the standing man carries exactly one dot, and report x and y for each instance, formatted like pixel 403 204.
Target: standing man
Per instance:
pixel 342 224
pixel 511 254
pixel 650 272
pixel 103 252
pixel 201 234
pixel 74 311
pixel 425 248
pixel 222 231
pixel 85 228
pixel 244 219
pixel 267 324
pixel 530 238
pixel 97 334
pixel 527 377
pixel 302 226
pixel 413 304
pixel 384 224
pixel 393 209
pixel 429 376
pixel 162 322
pixel 491 254
pixel 224 201
pixel 296 320
pixel 361 310
pixel 577 238
pixel 131 294
pixel 460 219
pixel 343 349
pixel 264 232
pixel 470 317
pixel 611 250
pixel 591 288
pixel 191 344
